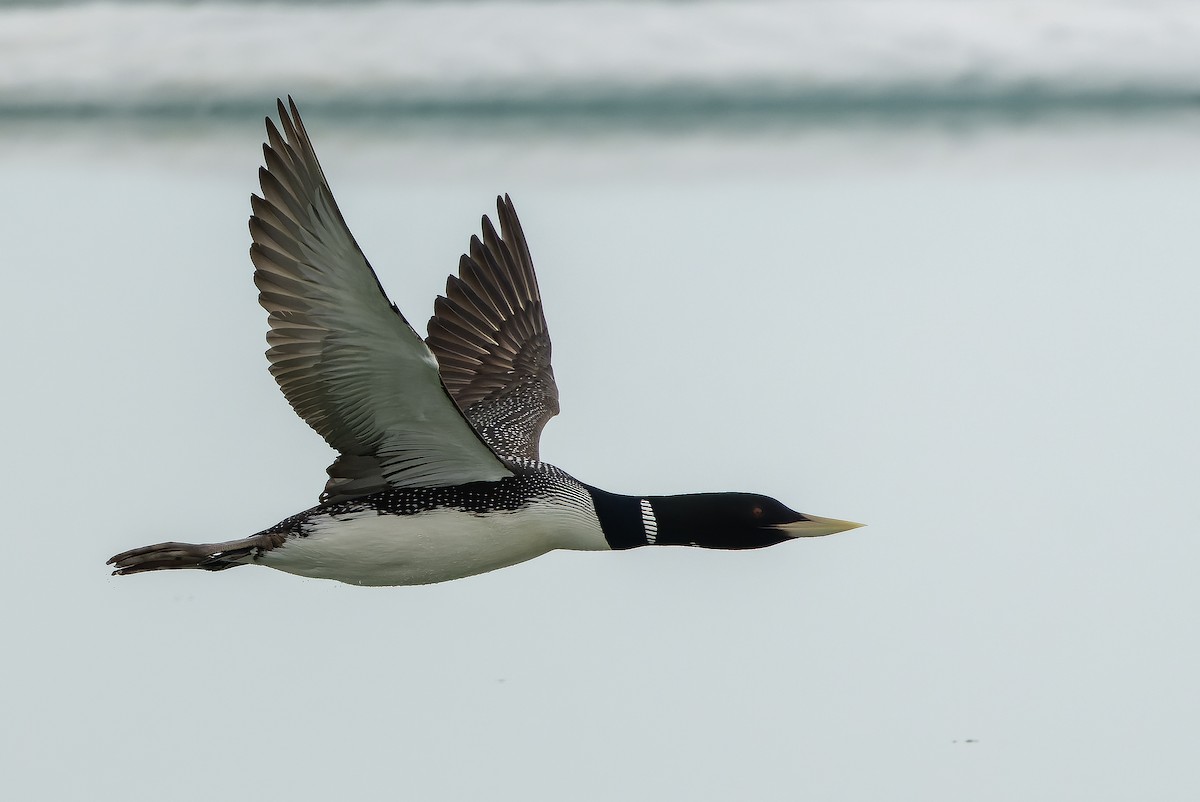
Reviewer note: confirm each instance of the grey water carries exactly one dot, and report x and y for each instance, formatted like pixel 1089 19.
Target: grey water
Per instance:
pixel 971 328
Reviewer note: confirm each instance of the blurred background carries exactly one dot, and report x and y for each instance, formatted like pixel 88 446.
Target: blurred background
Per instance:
pixel 928 265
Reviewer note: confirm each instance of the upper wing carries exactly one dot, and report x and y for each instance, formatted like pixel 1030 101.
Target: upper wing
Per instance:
pixel 489 336
pixel 344 356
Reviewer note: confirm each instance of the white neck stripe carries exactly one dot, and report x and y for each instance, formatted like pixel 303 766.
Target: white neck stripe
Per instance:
pixel 649 524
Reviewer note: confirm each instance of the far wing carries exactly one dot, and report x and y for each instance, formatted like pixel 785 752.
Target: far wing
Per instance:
pixel 346 359
pixel 489 336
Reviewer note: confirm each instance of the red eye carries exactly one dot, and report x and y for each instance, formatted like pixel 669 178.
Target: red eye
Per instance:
pixel 757 512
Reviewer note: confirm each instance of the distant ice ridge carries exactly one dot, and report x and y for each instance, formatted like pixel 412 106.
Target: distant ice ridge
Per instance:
pixel 167 58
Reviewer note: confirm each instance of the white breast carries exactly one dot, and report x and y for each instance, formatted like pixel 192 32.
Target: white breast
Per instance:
pixel 365 548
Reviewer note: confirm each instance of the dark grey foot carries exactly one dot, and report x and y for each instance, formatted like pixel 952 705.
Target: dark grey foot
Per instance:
pixel 205 556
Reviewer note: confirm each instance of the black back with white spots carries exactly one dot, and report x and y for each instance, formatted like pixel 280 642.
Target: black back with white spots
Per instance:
pixel 535 482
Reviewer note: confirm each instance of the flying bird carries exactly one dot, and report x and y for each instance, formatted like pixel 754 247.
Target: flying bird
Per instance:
pixel 438 474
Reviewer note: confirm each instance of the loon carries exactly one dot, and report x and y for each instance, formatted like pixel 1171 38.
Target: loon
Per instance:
pixel 438 474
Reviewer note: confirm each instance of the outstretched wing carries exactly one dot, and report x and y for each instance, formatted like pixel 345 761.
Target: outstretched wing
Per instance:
pixel 489 336
pixel 346 359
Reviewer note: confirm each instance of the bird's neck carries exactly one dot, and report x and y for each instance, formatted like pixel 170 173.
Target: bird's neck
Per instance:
pixel 624 519
pixel 632 521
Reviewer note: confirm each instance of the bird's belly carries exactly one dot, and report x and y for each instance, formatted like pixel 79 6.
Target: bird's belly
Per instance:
pixel 369 548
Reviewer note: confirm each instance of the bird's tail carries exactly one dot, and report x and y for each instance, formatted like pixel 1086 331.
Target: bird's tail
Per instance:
pixel 206 556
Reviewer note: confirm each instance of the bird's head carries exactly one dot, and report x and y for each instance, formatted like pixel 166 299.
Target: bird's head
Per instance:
pixel 734 521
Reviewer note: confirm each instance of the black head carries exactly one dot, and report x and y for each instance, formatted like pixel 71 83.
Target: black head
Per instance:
pixel 708 520
pixel 734 521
